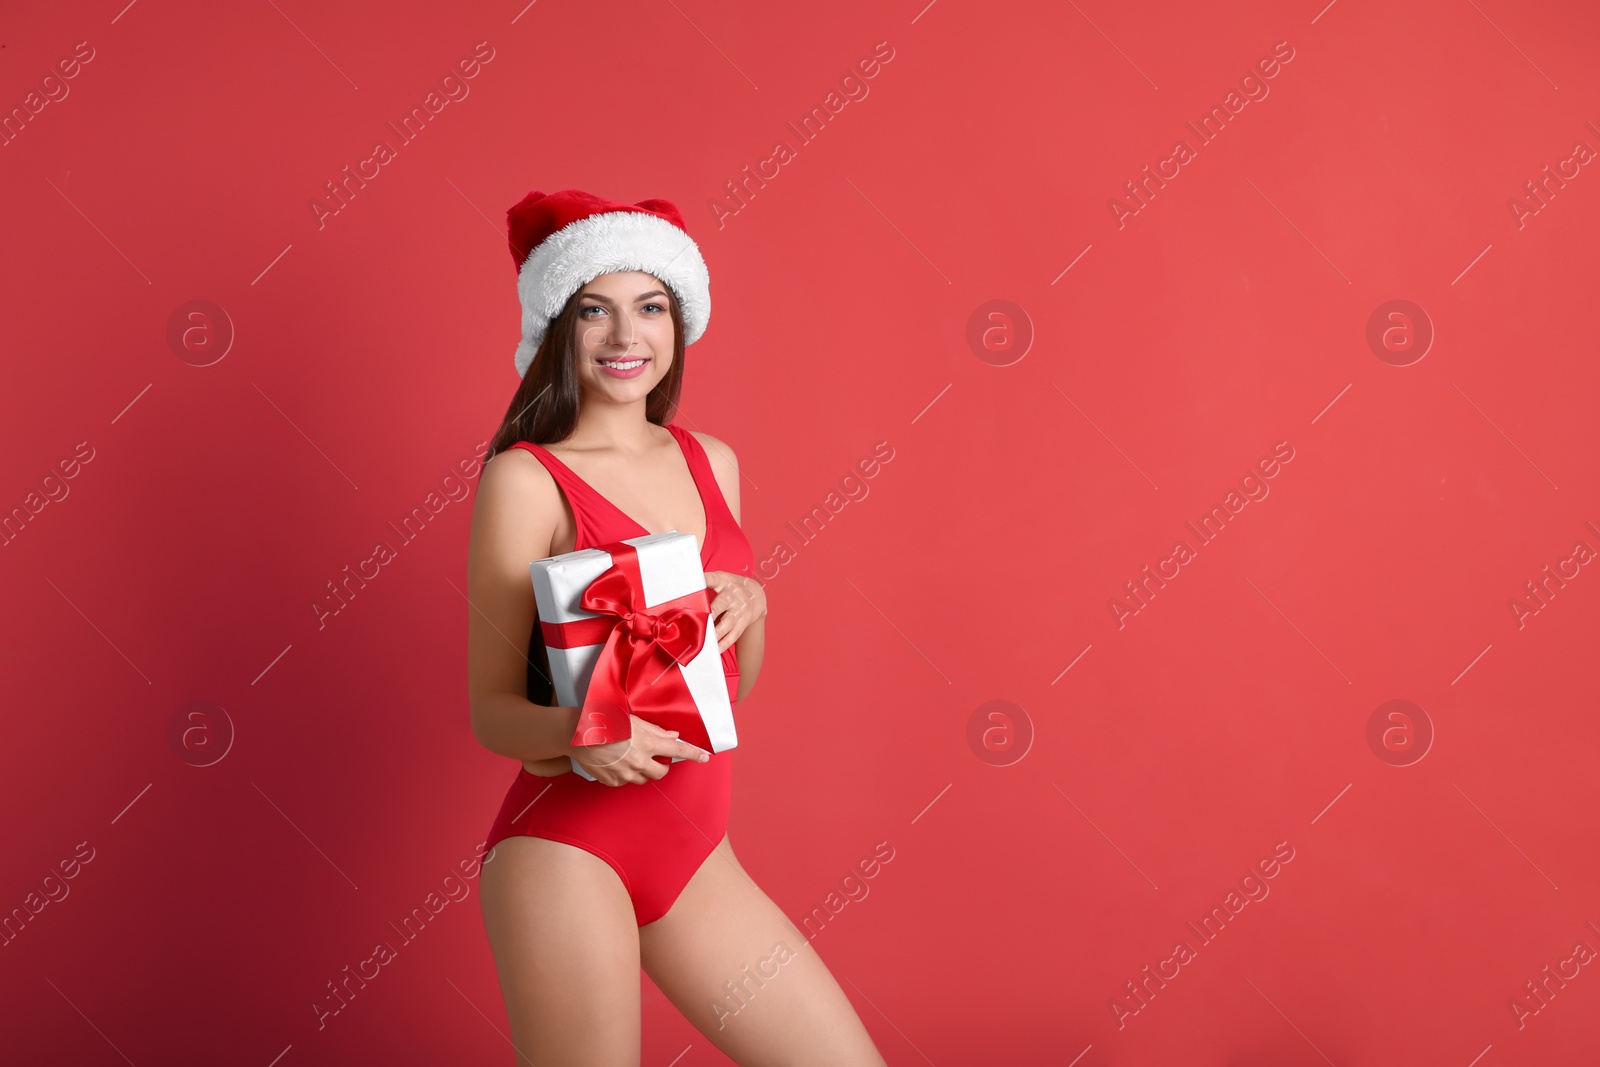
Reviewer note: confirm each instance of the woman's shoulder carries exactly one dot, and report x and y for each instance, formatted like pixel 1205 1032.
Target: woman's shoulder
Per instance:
pixel 516 513
pixel 516 478
pixel 512 462
pixel 718 451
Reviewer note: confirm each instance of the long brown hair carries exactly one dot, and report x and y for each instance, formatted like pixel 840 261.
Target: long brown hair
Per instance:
pixel 544 409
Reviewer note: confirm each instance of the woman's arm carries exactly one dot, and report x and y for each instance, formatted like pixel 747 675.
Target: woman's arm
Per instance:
pixel 513 523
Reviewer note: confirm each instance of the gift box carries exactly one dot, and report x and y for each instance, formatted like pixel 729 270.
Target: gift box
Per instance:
pixel 627 626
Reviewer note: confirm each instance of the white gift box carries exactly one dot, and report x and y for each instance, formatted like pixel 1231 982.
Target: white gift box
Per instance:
pixel 669 567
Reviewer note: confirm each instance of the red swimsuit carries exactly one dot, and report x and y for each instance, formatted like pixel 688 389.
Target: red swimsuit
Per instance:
pixel 655 835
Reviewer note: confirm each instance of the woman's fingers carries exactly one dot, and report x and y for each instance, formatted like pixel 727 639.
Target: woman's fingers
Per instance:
pixel 648 761
pixel 740 603
pixel 731 621
pixel 735 628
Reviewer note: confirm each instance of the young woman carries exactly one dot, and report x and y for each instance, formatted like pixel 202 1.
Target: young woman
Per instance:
pixel 587 881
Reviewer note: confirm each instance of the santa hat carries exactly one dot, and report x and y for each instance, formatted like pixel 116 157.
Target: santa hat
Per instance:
pixel 562 241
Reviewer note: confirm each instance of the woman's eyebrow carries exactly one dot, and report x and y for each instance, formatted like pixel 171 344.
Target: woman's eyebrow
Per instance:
pixel 641 296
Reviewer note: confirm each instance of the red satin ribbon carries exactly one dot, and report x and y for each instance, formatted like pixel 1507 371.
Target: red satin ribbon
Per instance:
pixel 636 672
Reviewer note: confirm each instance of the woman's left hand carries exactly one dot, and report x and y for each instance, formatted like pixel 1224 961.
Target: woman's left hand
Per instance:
pixel 741 601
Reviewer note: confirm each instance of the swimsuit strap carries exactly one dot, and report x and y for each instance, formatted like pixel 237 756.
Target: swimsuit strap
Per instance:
pixel 594 513
pixel 583 498
pixel 719 517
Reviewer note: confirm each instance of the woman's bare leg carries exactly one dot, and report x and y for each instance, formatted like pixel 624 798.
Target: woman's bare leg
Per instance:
pixel 730 960
pixel 566 947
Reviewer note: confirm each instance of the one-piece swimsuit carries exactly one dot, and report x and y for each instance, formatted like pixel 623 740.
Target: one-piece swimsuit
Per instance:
pixel 657 834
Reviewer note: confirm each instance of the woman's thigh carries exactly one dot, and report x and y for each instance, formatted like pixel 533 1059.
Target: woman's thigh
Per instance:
pixel 566 947
pixel 730 960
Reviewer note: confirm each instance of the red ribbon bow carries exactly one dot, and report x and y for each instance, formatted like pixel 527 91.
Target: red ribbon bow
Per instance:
pixel 634 674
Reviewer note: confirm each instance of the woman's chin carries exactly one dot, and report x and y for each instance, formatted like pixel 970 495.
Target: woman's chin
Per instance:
pixel 623 388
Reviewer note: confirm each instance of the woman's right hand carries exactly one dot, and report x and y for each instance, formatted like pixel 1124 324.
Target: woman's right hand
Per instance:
pixel 646 756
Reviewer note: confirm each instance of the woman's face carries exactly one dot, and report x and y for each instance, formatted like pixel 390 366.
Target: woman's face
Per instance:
pixel 624 319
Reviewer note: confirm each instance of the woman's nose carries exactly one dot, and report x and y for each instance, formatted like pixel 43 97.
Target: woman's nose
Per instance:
pixel 622 328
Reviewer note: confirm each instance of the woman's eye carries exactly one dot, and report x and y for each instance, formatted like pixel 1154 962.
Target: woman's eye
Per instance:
pixel 591 307
pixel 658 307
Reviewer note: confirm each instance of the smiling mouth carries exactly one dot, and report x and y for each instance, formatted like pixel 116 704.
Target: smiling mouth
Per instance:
pixel 623 364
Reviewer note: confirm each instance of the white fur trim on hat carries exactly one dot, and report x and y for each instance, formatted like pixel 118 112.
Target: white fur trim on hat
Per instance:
pixel 605 243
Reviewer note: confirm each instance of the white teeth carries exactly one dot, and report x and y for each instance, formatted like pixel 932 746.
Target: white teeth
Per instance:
pixel 623 366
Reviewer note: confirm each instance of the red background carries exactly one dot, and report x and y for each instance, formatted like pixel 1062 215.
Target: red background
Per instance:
pixel 1231 713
